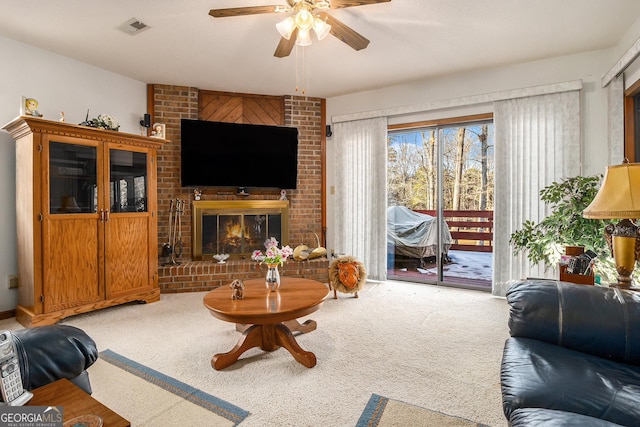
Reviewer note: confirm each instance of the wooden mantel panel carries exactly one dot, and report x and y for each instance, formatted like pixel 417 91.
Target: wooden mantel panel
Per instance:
pixel 263 111
pixel 241 108
pixel 220 108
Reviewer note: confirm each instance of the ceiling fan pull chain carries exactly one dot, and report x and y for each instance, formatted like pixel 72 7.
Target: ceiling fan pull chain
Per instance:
pixel 304 73
pixel 297 70
pixel 301 81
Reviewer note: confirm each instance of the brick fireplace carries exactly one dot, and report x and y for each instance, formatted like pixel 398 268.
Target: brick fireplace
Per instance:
pixel 169 104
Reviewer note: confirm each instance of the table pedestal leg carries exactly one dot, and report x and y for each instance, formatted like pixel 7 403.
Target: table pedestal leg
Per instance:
pixel 294 325
pixel 268 338
pixel 251 337
pixel 285 338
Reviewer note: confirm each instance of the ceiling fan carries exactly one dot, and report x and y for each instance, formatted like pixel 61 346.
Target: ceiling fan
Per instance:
pixel 305 16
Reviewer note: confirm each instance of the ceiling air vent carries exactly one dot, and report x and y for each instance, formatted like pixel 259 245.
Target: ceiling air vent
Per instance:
pixel 133 26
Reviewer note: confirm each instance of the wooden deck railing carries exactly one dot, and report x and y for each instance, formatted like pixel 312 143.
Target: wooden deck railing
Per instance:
pixel 470 230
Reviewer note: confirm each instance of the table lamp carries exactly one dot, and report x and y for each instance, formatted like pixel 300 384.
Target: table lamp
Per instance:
pixel 619 198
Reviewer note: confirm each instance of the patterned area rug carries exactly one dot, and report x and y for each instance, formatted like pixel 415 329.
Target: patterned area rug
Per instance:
pixel 173 401
pixel 384 412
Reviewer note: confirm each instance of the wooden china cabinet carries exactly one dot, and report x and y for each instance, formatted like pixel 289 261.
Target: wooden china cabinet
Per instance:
pixel 86 219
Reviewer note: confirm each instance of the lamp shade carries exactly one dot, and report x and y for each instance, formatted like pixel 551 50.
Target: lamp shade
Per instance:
pixel 619 195
pixel 304 38
pixel 321 28
pixel 304 19
pixel 286 27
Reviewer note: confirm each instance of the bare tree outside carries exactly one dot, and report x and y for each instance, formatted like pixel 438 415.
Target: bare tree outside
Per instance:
pixel 468 165
pixel 458 167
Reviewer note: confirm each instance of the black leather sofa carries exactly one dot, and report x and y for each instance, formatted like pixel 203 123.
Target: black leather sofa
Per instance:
pixel 573 358
pixel 49 353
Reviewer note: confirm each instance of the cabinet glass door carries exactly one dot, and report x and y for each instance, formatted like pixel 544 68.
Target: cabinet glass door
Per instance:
pixel 128 226
pixel 70 238
pixel 128 181
pixel 72 178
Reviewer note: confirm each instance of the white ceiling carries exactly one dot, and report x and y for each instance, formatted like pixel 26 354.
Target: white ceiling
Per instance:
pixel 410 40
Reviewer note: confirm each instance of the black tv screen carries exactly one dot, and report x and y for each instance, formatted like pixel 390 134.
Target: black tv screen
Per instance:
pixel 218 154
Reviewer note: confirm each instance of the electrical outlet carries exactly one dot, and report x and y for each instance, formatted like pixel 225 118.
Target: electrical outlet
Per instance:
pixel 13 282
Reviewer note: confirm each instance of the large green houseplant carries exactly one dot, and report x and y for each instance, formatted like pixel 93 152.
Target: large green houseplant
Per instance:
pixel 565 226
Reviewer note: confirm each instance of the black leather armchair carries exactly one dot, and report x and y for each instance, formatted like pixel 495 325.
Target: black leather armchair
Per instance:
pixel 49 353
pixel 573 357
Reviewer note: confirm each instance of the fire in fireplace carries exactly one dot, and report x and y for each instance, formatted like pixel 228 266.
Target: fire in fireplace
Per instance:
pixel 237 228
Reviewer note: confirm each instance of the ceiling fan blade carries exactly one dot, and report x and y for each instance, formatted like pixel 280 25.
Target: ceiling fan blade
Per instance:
pixel 337 4
pixel 345 34
pixel 286 46
pixel 239 11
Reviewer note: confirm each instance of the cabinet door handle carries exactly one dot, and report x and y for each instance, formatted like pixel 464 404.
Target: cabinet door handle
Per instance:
pixel 101 217
pixel 106 215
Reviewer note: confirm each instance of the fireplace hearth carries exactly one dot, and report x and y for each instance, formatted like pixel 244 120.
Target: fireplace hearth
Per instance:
pixel 237 227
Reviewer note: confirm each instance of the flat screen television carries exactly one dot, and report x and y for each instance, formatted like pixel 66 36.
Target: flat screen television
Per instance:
pixel 218 154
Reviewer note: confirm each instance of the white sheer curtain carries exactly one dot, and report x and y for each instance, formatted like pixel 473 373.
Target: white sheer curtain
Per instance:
pixel 537 142
pixel 360 164
pixel 615 128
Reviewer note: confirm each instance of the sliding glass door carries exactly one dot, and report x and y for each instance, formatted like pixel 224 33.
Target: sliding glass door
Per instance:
pixel 440 204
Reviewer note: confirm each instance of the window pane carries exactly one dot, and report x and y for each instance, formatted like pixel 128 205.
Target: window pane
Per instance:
pixel 441 177
pixel 73 178
pixel 128 181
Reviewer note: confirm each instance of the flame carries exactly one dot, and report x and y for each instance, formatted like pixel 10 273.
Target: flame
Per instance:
pixel 234 230
pixel 234 234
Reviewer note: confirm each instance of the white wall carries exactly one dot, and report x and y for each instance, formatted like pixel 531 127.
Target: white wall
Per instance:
pixel 588 67
pixel 59 84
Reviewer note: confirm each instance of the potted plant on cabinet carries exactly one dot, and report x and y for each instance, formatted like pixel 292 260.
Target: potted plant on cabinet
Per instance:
pixel 545 242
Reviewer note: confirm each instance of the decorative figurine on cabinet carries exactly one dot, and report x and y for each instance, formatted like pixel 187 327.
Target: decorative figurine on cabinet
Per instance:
pixel 30 107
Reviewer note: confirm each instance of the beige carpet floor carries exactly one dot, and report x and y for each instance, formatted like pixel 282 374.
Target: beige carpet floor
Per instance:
pixel 433 347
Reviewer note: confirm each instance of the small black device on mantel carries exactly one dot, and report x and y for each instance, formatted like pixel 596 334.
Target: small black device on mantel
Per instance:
pixel 11 389
pixel 220 154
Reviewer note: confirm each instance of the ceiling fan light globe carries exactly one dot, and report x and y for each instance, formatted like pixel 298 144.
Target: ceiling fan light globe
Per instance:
pixel 304 38
pixel 286 27
pixel 321 28
pixel 304 20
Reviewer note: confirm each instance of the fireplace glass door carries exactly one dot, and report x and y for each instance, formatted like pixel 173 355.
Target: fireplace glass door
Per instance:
pixel 238 233
pixel 237 228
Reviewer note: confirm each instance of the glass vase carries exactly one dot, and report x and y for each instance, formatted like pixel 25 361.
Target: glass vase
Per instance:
pixel 273 277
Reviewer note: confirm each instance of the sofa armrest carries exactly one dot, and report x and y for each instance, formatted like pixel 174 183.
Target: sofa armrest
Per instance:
pixel 49 353
pixel 601 321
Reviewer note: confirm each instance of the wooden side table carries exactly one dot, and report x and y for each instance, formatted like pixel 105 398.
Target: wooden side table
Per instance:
pixel 75 402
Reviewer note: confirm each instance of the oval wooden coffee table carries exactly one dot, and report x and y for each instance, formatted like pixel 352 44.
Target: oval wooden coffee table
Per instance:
pixel 269 314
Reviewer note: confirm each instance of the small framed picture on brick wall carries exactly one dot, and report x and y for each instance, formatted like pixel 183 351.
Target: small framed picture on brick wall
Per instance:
pixel 158 130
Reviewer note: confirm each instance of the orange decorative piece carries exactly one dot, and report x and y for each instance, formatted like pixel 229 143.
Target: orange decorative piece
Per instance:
pixel 347 275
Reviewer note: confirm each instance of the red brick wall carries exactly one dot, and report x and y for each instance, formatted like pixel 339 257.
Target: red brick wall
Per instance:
pixel 172 103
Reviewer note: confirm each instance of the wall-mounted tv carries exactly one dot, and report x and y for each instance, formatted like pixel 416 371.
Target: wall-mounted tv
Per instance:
pixel 218 154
